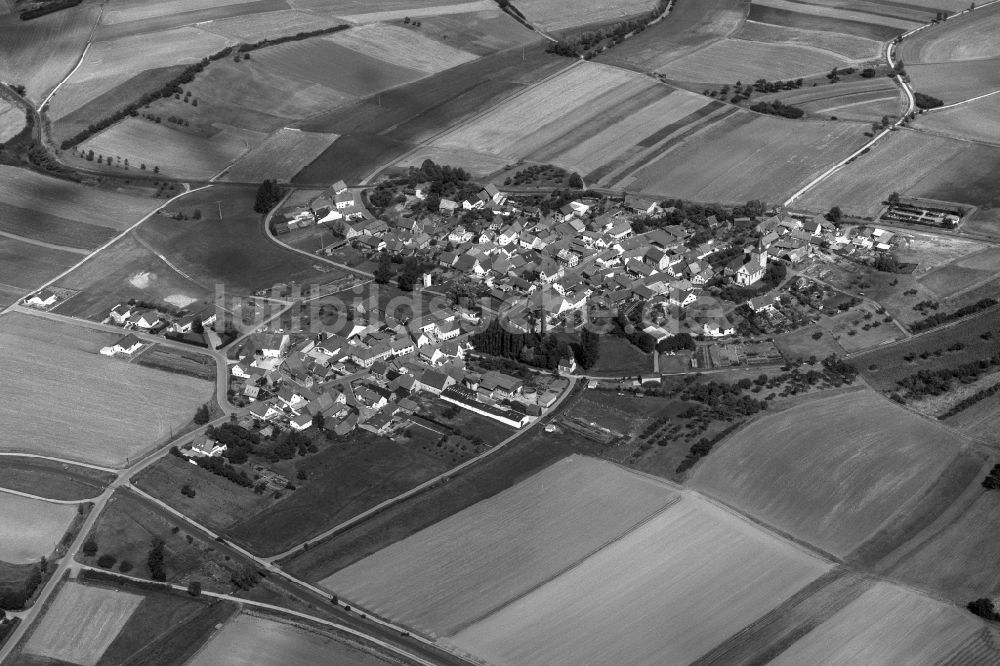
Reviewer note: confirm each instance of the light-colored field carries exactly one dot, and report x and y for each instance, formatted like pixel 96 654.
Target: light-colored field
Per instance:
pixel 956 81
pixel 254 27
pixel 979 120
pixel 81 623
pixel 860 187
pixel 397 11
pixel 110 63
pixel 556 106
pixel 480 32
pixel 766 158
pixel 30 528
pixel 666 594
pixel 838 13
pixel 65 199
pixel 175 152
pixel 968 37
pixel 11 120
pixel 402 46
pixel 458 570
pixel 129 10
pixel 40 52
pixel 885 625
pixel 732 60
pixel 71 402
pixel 853 48
pixel 555 15
pixel 247 639
pixel 280 156
pixel 830 472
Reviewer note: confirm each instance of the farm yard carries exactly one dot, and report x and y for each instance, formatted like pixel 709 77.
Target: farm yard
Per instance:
pixel 280 156
pixel 676 585
pixel 60 361
pixel 736 161
pixel 870 454
pixel 888 625
pixel 436 580
pixel 731 60
pixel 40 52
pixel 31 528
pixel 553 15
pixel 82 623
pixel 975 121
pixel 266 641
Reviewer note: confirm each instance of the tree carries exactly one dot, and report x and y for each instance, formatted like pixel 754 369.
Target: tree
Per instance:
pixel 575 181
pixel 590 348
pixel 383 272
pixel 834 215
pixel 268 196
pixel 319 421
pixel 202 416
pixel 983 608
pixel 894 199
pixel 89 547
pixel 194 588
pixel 154 560
pixel 106 561
pixel 197 327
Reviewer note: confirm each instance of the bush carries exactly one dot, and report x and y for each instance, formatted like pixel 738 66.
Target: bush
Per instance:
pixel 194 588
pixel 89 547
pixel 125 566
pixel 106 561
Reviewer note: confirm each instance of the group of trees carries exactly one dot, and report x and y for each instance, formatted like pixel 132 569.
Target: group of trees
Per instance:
pixel 703 447
pixel 944 317
pixel 154 560
pixel 541 351
pixel 632 333
pixel 590 348
pixel 936 382
pixel 202 415
pixel 776 108
pixel 592 42
pixel 992 480
pixel 47 7
pixel 925 101
pixel 269 193
pixel 14 596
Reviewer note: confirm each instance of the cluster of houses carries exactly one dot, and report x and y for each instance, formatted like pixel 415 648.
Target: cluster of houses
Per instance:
pixel 373 376
pixel 337 204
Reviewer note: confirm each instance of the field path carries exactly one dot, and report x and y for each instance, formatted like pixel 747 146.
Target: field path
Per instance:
pixel 39 497
pixel 83 54
pixel 51 246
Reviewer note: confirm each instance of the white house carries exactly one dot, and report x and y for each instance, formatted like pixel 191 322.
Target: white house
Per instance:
pixel 43 299
pixel 752 270
pixel 128 345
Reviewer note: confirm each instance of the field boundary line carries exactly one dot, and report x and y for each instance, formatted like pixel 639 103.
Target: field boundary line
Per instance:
pixel 105 246
pixel 645 520
pixel 271 607
pixel 79 63
pixel 51 246
pixel 11 491
pixel 64 461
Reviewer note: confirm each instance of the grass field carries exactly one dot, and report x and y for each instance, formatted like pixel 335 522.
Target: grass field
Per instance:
pixel 108 410
pixel 860 187
pixel 11 120
pixel 127 269
pixel 965 177
pixel 885 625
pixel 402 46
pixel 979 421
pixel 619 358
pixel 275 21
pixel 865 99
pixel 45 197
pixel 112 62
pixel 676 586
pixel 183 362
pixel 174 153
pixel 850 47
pixel 455 572
pixel 837 12
pixel 81 623
pixel 125 11
pixel 858 461
pixel 24 266
pixel 31 528
pixel 40 52
pixel 50 479
pixel 736 161
pixel 732 60
pixel 248 638
pixel 954 82
pixel 280 156
pixel 968 37
pixel 948 280
pixel 824 19
pixel 480 33
pixel 978 121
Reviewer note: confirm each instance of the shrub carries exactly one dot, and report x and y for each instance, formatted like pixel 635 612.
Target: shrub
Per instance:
pixel 106 561
pixel 90 547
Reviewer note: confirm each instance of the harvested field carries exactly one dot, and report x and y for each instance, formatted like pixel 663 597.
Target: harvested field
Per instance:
pixel 480 33
pixel 81 623
pixel 954 82
pixel 30 528
pixel 40 52
pixel 44 197
pixel 268 24
pixel 828 20
pixel 402 46
pixel 553 15
pixel 48 359
pixel 249 638
pixel 24 266
pixel 175 153
pixel 833 11
pixel 976 121
pixel 455 572
pixel 280 156
pixel 673 586
pixel 967 176
pixel 124 11
pixel 859 460
pixel 848 46
pixel 968 37
pixel 887 624
pixel 396 11
pixel 110 63
pixel 11 120
pixel 737 160
pixel 732 60
pixel 51 479
pixel 860 188
pixel 32 225
pixel 689 26
pixel 127 269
